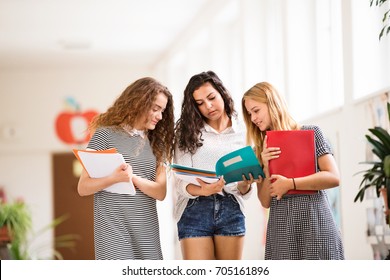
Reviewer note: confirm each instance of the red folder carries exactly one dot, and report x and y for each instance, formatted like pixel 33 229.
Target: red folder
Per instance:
pixel 297 157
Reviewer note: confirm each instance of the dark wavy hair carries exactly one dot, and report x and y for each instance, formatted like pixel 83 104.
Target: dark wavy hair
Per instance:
pixel 188 135
pixel 129 107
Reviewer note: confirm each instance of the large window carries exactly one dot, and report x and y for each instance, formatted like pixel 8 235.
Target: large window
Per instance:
pixel 296 45
pixel 307 51
pixel 371 57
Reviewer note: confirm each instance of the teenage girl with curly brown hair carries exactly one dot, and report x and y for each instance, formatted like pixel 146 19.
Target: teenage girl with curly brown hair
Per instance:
pixel 140 126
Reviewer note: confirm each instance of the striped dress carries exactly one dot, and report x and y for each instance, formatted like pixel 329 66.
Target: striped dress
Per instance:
pixel 125 226
pixel 302 226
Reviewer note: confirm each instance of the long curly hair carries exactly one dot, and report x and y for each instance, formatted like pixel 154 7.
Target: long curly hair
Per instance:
pixel 188 135
pixel 136 100
pixel 280 117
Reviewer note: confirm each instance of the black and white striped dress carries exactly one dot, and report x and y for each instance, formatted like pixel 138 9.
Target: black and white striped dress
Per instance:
pixel 302 226
pixel 125 226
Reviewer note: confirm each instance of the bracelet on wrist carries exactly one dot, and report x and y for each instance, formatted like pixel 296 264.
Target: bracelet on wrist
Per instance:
pixel 248 190
pixel 295 186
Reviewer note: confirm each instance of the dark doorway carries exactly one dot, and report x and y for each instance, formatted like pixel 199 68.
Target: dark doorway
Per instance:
pixel 78 209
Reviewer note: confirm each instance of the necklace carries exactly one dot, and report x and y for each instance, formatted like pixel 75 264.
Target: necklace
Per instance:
pixel 133 131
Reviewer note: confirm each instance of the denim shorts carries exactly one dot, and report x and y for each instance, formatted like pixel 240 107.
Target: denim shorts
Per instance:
pixel 212 215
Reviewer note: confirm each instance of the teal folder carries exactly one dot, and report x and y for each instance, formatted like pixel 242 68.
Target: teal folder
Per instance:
pixel 237 163
pixel 232 166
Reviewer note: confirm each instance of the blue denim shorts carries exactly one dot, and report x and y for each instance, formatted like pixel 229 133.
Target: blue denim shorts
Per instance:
pixel 212 215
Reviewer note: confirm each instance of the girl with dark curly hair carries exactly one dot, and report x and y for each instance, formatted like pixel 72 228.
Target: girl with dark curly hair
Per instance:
pixel 211 222
pixel 140 125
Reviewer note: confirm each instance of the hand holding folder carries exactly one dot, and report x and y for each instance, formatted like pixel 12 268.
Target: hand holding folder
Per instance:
pixel 100 164
pixel 189 174
pixel 231 166
pixel 297 157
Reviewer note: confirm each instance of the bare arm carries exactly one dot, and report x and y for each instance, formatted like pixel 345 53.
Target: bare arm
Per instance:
pixel 156 189
pixel 263 188
pixel 263 192
pixel 205 189
pixel 327 178
pixel 88 185
pixel 244 186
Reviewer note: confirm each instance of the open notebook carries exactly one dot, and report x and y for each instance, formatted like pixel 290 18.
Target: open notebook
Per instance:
pixel 232 166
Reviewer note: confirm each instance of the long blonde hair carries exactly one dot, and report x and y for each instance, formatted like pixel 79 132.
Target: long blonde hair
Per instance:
pixel 280 117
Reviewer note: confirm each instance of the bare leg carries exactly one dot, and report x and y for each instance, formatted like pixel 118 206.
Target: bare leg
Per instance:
pixel 228 247
pixel 197 248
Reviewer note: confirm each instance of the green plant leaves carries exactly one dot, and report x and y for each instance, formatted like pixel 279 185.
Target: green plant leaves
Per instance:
pixel 378 175
pixel 386 166
pixel 386 17
pixel 17 218
pixel 383 137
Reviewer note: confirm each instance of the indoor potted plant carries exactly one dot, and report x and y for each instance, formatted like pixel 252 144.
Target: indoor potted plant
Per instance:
pixel 378 175
pixel 17 238
pixel 15 223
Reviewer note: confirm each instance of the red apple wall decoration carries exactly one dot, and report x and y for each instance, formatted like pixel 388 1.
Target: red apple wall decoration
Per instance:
pixel 71 124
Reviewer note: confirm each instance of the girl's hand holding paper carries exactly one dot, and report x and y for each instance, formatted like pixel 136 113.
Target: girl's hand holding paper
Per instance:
pixel 123 173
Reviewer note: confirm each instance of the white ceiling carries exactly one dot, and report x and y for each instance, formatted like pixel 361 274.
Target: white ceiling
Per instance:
pixel 60 31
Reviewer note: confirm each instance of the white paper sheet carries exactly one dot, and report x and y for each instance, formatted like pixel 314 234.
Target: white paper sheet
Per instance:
pixel 192 178
pixel 99 165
